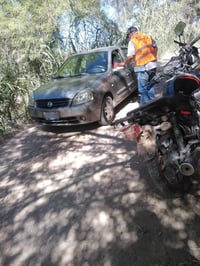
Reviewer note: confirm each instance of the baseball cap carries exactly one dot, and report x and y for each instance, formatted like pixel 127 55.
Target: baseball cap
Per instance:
pixel 131 29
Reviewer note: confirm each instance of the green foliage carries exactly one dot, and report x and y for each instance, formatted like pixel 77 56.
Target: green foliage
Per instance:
pixel 157 18
pixel 28 55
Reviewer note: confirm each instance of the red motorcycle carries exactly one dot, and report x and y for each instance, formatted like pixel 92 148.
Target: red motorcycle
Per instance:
pixel 167 129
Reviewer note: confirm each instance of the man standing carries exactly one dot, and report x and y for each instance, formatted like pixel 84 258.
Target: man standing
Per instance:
pixel 142 49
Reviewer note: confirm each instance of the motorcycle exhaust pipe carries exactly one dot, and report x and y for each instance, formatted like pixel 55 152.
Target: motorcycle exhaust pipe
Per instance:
pixel 191 165
pixel 187 169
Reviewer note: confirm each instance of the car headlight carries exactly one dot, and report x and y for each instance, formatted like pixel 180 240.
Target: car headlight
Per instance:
pixel 31 101
pixel 83 96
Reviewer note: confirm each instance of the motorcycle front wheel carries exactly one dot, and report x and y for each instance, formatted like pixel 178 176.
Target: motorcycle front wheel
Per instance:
pixel 171 66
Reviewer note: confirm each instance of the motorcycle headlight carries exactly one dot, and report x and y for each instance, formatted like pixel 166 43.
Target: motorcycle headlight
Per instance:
pixel 83 96
pixel 191 59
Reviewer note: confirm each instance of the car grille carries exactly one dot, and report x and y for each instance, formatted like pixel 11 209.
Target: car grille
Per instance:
pixel 64 121
pixel 52 103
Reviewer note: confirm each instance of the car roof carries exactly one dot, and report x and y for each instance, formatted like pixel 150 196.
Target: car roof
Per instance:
pixel 101 49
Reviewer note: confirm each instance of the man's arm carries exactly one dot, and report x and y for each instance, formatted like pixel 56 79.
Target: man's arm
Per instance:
pixel 127 61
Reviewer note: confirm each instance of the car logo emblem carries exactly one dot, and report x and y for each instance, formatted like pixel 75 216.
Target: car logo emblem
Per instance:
pixel 49 104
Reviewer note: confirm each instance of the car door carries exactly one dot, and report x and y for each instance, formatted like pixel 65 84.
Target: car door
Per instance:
pixel 122 77
pixel 130 73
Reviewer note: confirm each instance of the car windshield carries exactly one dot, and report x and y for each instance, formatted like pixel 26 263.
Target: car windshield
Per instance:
pixel 83 64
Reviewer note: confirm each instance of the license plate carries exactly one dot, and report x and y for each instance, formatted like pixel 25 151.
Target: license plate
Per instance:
pixel 52 116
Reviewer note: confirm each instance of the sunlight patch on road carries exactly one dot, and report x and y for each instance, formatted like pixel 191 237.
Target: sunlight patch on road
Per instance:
pixel 194 249
pixel 129 198
pixel 177 220
pixel 36 166
pixel 16 192
pixel 45 183
pixel 58 162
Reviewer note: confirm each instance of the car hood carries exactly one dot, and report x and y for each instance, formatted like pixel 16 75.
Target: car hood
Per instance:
pixel 66 87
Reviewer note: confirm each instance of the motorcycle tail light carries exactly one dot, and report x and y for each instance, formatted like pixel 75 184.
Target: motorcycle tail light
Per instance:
pixel 185 112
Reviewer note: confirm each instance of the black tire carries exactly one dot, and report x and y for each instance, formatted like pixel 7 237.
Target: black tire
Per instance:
pixel 182 186
pixel 156 181
pixel 107 111
pixel 174 181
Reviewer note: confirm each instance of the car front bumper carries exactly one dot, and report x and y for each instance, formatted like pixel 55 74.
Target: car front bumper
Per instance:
pixel 78 115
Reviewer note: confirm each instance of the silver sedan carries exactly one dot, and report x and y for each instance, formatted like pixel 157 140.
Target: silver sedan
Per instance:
pixel 85 89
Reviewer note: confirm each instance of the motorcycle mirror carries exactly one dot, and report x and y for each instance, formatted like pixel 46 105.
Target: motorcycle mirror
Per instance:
pixel 179 29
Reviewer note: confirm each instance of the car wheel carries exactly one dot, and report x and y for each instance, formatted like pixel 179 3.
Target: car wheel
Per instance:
pixel 107 111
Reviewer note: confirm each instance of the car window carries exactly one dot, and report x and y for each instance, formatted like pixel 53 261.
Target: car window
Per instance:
pixel 97 62
pixel 116 58
pixel 72 66
pixel 124 51
pixel 84 63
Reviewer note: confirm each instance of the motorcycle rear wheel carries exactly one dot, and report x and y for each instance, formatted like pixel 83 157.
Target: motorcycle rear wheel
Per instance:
pixel 182 183
pixel 157 182
pixel 161 182
pixel 176 182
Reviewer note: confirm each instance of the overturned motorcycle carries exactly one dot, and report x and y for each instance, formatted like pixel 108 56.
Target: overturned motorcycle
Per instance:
pixel 167 129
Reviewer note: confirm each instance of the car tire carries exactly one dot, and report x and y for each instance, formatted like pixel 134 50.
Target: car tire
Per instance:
pixel 107 111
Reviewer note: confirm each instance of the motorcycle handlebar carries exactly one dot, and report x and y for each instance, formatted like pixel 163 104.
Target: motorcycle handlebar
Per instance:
pixel 180 43
pixel 131 117
pixel 122 120
pixel 190 43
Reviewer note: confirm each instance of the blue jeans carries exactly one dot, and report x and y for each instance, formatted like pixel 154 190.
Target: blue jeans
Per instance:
pixel 145 87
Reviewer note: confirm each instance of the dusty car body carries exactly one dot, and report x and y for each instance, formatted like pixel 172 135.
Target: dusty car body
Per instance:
pixel 85 89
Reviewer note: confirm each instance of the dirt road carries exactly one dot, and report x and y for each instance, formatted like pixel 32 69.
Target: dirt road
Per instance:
pixel 83 198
